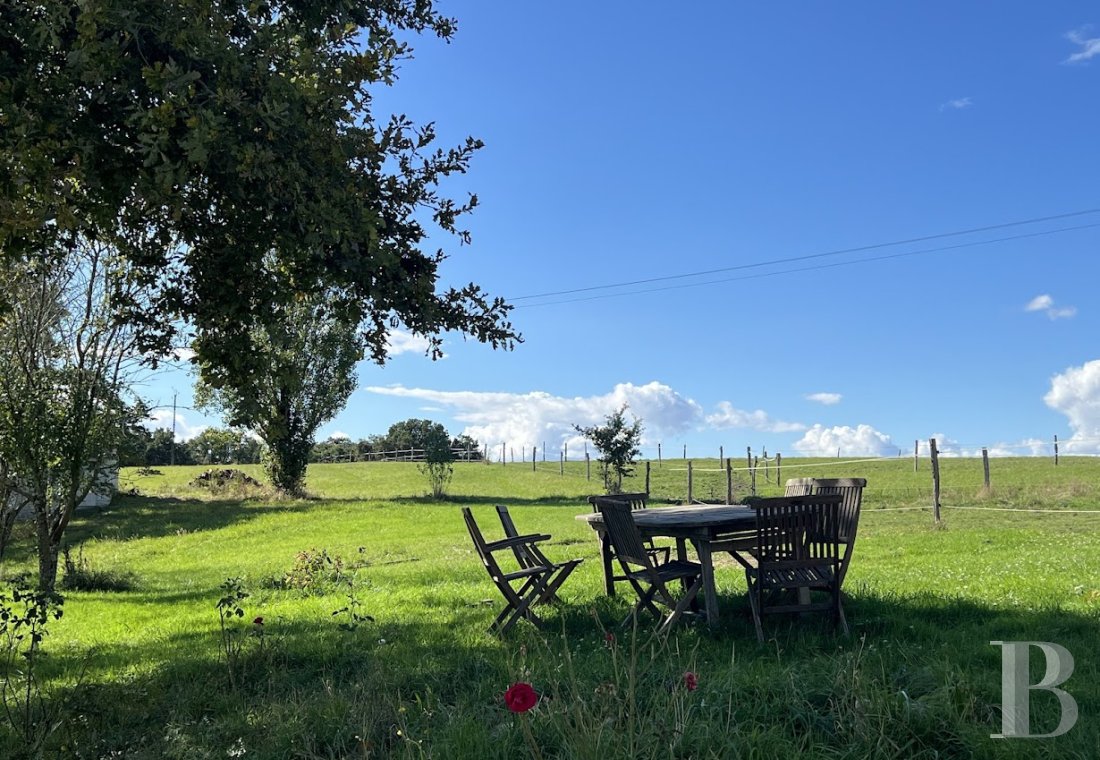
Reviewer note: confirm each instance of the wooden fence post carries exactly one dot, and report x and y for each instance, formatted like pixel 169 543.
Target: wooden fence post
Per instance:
pixel 935 456
pixel 587 467
pixel 916 449
pixel 567 449
pixel 534 457
pixel 647 463
pixel 685 451
pixel 561 463
pixel 985 465
pixel 512 452
pixel 689 483
pixel 503 458
pixel 659 455
pixel 1055 451
pixel 721 455
pixel 778 466
pixel 729 482
pixel 748 456
pixel 752 476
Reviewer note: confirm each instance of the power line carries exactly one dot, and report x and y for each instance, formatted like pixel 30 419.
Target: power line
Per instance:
pixel 938 249
pixel 807 257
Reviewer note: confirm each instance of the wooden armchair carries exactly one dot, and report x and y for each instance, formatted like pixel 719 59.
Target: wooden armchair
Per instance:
pixel 522 589
pixel 851 492
pixel 649 579
pixel 798 550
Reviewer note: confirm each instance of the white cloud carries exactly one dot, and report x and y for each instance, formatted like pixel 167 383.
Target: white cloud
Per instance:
pixel 537 417
pixel 828 399
pixel 162 418
pixel 1045 303
pixel 729 417
pixel 957 104
pixel 1076 394
pixel 339 435
pixel 860 441
pixel 403 342
pixel 1090 47
pixel 1039 303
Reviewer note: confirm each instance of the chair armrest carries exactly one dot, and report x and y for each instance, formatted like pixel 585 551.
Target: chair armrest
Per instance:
pixel 508 543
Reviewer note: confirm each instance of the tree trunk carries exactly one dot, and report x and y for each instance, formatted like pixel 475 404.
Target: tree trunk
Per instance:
pixel 47 548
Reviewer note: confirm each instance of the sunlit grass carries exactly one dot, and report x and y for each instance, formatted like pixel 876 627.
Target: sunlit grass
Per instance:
pixel 917 677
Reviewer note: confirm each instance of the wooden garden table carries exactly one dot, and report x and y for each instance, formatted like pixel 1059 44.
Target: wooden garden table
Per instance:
pixel 707 527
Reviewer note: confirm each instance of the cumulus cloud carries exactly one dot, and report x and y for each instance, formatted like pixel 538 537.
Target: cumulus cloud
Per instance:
pixel 729 417
pixel 1090 47
pixel 530 419
pixel 1076 394
pixel 162 419
pixel 860 441
pixel 1044 303
pixel 828 399
pixel 403 342
pixel 339 435
pixel 957 104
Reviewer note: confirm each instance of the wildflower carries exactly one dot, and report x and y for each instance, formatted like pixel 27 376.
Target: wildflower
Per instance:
pixel 258 621
pixel 691 681
pixel 520 697
pixel 609 639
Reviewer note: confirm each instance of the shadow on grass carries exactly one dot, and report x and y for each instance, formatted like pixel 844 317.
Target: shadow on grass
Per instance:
pixel 312 689
pixel 152 517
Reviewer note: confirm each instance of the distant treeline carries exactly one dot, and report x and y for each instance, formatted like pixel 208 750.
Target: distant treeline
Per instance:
pixel 404 440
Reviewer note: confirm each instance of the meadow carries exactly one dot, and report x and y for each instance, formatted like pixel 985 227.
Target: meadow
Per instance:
pixel 374 609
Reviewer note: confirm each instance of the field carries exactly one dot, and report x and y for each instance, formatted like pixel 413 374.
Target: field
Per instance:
pixel 374 610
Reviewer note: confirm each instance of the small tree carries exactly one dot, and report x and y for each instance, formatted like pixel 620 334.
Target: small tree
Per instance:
pixel 438 459
pixel 617 443
pixel 64 406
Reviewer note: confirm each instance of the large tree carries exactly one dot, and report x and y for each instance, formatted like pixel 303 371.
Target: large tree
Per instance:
pixel 239 135
pixel 309 354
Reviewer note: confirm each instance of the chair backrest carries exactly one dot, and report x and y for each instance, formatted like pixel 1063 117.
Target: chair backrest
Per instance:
pixel 635 500
pixel 622 532
pixel 479 542
pixel 506 521
pixel 799 487
pixel 798 529
pixel 851 492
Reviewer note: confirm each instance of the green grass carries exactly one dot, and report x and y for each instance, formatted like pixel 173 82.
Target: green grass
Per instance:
pixel 140 673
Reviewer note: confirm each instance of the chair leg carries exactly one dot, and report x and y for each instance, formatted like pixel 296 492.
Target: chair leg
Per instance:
pixel 754 603
pixel 563 572
pixel 685 601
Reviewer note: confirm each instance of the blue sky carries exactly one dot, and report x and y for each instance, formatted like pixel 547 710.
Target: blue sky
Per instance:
pixel 626 142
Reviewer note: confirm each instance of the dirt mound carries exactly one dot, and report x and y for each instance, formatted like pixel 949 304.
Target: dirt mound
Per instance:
pixel 224 477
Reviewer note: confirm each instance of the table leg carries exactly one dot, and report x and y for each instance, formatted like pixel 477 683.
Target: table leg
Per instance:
pixel 710 594
pixel 606 559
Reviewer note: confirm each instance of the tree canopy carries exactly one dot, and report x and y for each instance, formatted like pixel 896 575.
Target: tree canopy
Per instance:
pixel 617 442
pixel 238 137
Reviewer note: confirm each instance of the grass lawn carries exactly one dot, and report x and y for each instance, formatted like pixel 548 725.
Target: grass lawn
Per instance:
pixel 142 672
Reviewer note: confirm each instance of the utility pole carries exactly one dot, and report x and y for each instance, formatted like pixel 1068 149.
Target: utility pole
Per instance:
pixel 173 448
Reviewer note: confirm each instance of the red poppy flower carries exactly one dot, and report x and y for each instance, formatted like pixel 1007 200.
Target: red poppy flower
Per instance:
pixel 520 697
pixel 691 681
pixel 258 621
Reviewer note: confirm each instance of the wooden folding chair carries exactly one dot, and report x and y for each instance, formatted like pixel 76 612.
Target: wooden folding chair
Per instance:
pixel 649 580
pixel 851 493
pixel 798 549
pixel 524 588
pixel 639 500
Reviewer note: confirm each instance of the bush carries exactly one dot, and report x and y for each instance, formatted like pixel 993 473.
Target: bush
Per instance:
pixel 80 576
